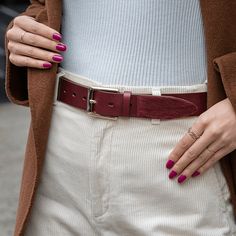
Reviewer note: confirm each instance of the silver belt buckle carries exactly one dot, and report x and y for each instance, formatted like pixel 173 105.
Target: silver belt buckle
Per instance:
pixel 91 102
pixel 58 76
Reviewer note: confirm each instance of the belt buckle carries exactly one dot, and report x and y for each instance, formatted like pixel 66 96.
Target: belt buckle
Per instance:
pixel 91 101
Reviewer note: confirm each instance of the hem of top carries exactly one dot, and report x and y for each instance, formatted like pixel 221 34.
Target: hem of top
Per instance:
pixel 83 80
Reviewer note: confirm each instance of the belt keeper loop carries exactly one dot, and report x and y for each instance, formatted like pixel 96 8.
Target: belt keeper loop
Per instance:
pixel 156 92
pixel 126 103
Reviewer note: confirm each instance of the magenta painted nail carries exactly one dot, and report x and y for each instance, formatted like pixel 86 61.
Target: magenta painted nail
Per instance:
pixel 57 58
pixel 172 174
pixel 181 178
pixel 56 36
pixel 61 47
pixel 47 65
pixel 170 164
pixel 196 173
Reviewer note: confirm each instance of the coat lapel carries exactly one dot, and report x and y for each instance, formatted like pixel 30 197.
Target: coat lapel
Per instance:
pixel 41 84
pixel 40 94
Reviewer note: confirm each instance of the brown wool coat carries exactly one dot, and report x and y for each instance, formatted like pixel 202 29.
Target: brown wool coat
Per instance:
pixel 35 88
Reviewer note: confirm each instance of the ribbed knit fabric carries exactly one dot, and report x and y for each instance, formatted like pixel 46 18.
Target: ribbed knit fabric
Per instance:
pixel 135 42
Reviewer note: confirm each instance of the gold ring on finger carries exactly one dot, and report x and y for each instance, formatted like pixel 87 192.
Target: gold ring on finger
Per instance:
pixel 210 150
pixel 192 134
pixel 22 36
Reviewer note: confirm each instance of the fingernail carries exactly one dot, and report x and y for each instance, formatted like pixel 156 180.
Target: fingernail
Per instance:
pixel 170 164
pixel 61 47
pixel 56 36
pixel 57 58
pixel 47 65
pixel 181 178
pixel 196 173
pixel 172 174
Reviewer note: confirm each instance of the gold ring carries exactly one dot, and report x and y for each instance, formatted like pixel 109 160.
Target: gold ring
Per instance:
pixel 210 150
pixel 21 37
pixel 192 134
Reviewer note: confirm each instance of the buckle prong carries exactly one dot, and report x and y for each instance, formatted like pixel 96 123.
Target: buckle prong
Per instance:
pixel 91 101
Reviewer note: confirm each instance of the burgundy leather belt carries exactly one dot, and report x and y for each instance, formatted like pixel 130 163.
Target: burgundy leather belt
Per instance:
pixel 110 103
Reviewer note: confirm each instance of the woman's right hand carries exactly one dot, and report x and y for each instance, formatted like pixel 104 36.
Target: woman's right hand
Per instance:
pixel 33 44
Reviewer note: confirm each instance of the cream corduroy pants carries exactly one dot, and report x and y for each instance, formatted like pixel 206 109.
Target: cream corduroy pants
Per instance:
pixel 108 177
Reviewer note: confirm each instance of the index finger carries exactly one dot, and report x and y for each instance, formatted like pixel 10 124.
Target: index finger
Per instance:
pixel 29 24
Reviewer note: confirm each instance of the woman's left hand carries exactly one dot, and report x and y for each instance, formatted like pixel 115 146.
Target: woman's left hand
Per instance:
pixel 212 136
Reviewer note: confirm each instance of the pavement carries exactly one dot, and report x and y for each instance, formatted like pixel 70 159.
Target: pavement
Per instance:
pixel 14 124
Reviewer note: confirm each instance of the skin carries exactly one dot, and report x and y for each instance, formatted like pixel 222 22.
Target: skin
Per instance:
pixel 38 46
pixel 217 125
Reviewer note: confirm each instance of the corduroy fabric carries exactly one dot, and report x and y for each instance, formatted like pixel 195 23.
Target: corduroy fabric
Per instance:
pixel 108 177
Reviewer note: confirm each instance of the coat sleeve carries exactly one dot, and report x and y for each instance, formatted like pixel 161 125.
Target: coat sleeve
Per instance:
pixel 16 77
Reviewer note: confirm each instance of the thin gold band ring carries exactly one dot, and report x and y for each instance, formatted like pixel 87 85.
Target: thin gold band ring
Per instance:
pixel 192 134
pixel 21 37
pixel 210 150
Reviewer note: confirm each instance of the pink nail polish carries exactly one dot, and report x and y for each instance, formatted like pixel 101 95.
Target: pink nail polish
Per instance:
pixel 56 36
pixel 169 164
pixel 57 58
pixel 172 174
pixel 181 178
pixel 196 173
pixel 61 47
pixel 47 65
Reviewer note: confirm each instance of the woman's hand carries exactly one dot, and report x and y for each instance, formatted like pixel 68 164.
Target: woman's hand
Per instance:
pixel 211 137
pixel 33 44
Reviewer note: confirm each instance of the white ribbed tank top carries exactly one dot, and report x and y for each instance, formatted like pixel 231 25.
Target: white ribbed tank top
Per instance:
pixel 135 42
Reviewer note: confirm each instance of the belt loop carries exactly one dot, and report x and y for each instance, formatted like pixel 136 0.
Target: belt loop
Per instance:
pixel 126 103
pixel 156 92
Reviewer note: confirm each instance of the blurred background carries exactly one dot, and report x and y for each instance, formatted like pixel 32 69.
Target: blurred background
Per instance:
pixel 14 123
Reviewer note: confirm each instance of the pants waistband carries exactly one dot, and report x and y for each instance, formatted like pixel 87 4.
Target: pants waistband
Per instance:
pixel 155 90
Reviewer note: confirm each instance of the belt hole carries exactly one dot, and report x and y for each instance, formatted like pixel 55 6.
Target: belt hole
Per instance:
pixel 64 91
pixel 73 94
pixel 111 105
